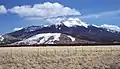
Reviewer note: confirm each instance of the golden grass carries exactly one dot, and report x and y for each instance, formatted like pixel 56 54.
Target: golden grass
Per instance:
pixel 60 57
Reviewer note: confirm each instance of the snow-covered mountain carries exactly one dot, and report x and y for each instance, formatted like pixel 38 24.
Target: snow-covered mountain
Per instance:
pixel 71 30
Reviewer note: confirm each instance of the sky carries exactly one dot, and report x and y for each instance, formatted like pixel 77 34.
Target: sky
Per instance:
pixel 17 14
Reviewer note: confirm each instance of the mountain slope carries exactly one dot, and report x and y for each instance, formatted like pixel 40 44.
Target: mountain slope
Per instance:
pixel 51 38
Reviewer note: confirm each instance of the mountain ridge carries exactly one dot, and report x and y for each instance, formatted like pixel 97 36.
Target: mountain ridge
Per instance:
pixel 71 27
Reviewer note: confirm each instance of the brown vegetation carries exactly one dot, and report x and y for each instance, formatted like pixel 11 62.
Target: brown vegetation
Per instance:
pixel 60 57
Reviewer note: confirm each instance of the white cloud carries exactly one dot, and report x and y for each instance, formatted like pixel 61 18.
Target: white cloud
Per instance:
pixel 16 29
pixel 102 14
pixel 2 9
pixel 45 10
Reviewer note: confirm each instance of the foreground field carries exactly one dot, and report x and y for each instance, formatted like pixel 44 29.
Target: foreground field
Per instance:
pixel 60 57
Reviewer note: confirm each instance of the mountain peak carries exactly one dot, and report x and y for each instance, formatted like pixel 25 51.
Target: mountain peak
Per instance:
pixel 70 22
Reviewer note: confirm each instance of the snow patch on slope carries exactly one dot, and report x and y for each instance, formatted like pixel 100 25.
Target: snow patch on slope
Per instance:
pixel 42 38
pixel 47 36
pixel 1 38
pixel 17 29
pixel 46 25
pixel 70 22
pixel 72 38
pixel 110 28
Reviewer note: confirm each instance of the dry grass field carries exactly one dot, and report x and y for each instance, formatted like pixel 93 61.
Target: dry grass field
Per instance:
pixel 77 57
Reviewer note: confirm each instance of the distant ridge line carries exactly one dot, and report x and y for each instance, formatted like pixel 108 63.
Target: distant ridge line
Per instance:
pixel 79 44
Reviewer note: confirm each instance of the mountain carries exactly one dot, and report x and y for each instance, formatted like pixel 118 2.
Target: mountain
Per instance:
pixel 68 31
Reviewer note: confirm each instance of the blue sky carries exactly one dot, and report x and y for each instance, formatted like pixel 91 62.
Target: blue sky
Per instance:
pixel 90 11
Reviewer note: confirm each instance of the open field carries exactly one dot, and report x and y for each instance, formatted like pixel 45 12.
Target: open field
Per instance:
pixel 77 57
